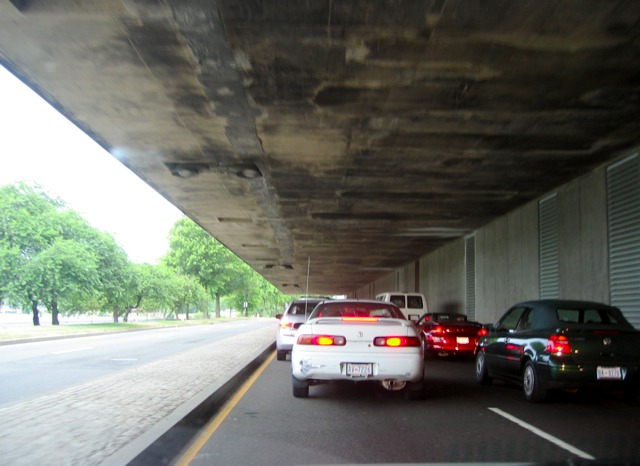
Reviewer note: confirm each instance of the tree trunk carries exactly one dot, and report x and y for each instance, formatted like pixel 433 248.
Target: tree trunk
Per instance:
pixel 115 316
pixel 54 312
pixel 206 308
pixel 36 313
pixel 217 305
pixel 125 318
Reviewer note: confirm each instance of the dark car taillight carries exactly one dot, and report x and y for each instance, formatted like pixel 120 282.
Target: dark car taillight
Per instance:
pixel 322 340
pixel 482 332
pixel 396 341
pixel 558 344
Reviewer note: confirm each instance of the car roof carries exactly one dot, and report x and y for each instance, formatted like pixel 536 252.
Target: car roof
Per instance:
pixel 373 301
pixel 568 303
pixel 311 298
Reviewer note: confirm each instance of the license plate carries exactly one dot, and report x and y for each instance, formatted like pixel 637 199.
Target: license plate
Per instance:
pixel 462 340
pixel 359 370
pixel 612 373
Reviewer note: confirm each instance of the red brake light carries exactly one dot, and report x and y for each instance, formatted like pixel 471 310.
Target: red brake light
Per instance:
pixel 558 344
pixel 322 340
pixel 482 332
pixel 396 341
pixel 286 325
pixel 438 329
pixel 359 319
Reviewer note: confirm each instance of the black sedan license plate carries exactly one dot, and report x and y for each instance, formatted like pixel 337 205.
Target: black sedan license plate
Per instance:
pixel 609 373
pixel 359 369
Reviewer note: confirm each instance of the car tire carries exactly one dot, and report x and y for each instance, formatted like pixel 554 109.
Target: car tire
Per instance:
pixel 281 355
pixel 533 388
pixel 414 391
pixel 300 388
pixel 482 374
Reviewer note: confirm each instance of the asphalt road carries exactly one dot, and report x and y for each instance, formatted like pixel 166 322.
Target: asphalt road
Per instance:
pixel 33 369
pixel 458 422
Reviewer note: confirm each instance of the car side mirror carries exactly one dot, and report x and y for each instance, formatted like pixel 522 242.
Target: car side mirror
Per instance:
pixel 490 328
pixel 278 316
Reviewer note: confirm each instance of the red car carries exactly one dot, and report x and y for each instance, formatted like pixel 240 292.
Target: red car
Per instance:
pixel 446 333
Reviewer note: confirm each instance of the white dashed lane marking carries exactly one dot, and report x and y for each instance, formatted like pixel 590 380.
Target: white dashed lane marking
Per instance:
pixel 544 435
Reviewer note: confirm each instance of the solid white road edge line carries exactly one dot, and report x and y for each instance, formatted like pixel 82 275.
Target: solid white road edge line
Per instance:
pixel 542 434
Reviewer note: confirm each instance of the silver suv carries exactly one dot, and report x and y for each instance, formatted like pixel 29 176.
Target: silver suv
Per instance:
pixel 294 316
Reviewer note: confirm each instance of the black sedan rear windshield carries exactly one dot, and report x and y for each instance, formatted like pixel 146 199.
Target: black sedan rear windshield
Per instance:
pixel 588 316
pixel 380 310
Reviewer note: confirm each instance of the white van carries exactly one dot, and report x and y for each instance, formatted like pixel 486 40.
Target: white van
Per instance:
pixel 412 305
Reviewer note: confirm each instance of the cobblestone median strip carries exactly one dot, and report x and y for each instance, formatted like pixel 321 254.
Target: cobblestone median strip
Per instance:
pixel 87 423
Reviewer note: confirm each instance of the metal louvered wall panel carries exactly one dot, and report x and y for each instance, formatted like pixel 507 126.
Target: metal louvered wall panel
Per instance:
pixel 623 196
pixel 548 238
pixel 470 277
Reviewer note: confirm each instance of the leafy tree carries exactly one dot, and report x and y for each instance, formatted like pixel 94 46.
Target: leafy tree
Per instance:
pixel 66 272
pixel 186 293
pixel 27 216
pixel 260 296
pixel 192 251
pixel 115 275
pixel 145 285
pixel 27 227
pixel 52 256
pixel 153 287
pixel 271 299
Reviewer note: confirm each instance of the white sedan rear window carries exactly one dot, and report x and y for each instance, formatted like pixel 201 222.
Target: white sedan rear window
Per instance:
pixel 357 310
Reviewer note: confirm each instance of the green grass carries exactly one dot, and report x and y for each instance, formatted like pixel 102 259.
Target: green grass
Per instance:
pixel 27 331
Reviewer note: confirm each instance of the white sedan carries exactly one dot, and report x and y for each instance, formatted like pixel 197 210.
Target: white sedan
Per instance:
pixel 359 341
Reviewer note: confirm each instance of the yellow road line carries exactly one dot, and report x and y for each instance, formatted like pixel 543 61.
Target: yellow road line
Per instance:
pixel 213 425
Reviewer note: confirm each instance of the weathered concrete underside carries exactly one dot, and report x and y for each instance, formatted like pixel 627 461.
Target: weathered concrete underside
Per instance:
pixel 358 134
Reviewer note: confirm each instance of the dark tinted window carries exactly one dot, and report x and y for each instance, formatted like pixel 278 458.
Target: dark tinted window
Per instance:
pixel 511 318
pixel 414 302
pixel 398 300
pixel 587 316
pixel 525 321
pixel 302 307
pixel 357 310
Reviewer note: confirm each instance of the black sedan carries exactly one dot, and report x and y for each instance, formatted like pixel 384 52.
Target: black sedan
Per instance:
pixel 560 344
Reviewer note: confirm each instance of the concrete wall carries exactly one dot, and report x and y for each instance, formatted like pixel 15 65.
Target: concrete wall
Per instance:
pixel 583 248
pixel 403 279
pixel 507 262
pixel 507 269
pixel 442 278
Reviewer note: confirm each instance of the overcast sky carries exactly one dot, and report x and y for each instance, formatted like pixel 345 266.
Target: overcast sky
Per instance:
pixel 38 145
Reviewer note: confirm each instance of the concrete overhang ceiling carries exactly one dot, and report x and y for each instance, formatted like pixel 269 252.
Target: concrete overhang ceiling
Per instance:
pixel 351 135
